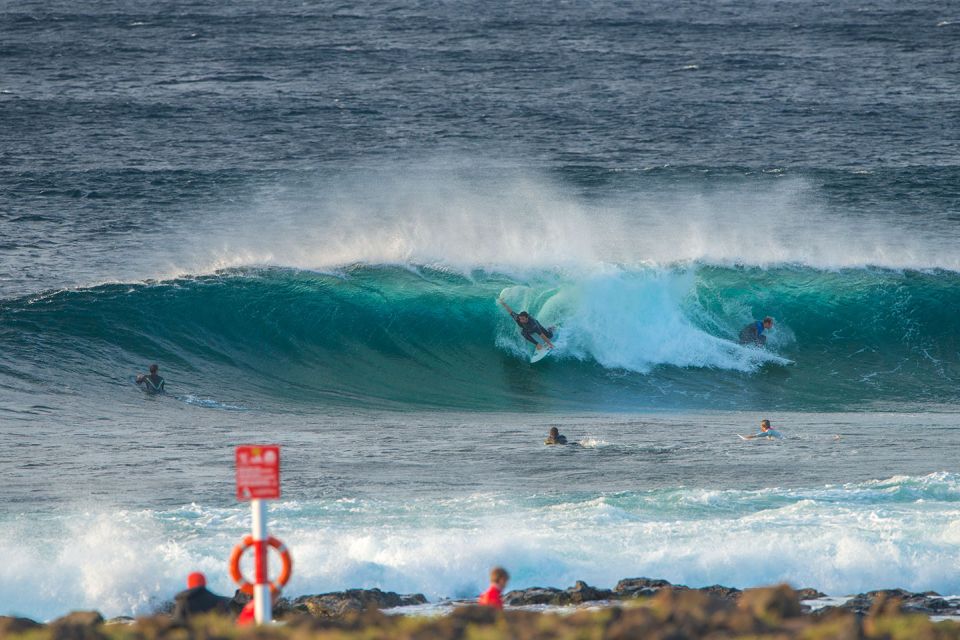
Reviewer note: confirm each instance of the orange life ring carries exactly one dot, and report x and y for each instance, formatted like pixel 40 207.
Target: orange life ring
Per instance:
pixel 275 586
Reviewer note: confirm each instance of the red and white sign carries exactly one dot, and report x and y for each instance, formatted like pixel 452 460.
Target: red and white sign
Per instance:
pixel 258 472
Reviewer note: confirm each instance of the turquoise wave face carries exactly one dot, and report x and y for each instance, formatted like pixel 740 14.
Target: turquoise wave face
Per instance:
pixel 414 337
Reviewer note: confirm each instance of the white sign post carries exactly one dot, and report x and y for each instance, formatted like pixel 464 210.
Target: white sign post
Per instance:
pixel 258 479
pixel 262 602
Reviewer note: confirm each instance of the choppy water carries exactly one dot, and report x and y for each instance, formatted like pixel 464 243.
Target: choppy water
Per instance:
pixel 305 212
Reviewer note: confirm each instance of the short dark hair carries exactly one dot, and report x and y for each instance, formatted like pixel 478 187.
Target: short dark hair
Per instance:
pixel 554 431
pixel 498 573
pixel 153 368
pixel 768 319
pixel 523 314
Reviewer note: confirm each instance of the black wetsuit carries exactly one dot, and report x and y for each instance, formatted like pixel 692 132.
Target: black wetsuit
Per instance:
pixel 531 328
pixel 191 602
pixel 152 384
pixel 753 334
pixel 558 440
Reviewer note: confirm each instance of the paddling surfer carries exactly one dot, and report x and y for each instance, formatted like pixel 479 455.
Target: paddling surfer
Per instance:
pixel 529 327
pixel 766 431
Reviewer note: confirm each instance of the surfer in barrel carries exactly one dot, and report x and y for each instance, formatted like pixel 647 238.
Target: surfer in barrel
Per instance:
pixel 753 333
pixel 153 382
pixel 529 326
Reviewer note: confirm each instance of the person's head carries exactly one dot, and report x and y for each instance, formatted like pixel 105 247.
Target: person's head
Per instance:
pixel 765 425
pixel 768 323
pixel 523 317
pixel 196 579
pixel 499 577
pixel 554 432
pixel 153 369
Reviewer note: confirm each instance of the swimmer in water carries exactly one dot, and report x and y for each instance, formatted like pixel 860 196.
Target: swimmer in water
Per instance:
pixel 152 383
pixel 555 437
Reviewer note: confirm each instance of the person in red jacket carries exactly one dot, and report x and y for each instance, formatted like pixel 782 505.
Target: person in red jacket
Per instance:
pixel 493 597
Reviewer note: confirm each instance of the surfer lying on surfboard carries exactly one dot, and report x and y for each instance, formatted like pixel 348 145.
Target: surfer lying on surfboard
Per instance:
pixel 529 326
pixel 766 431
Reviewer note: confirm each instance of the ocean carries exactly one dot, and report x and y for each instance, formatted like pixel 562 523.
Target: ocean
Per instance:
pixel 305 213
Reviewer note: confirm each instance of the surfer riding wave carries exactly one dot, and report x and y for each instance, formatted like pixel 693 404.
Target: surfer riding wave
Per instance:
pixel 529 327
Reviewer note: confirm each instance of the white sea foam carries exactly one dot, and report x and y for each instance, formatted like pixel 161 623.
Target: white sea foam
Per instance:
pixel 593 443
pixel 895 532
pixel 633 321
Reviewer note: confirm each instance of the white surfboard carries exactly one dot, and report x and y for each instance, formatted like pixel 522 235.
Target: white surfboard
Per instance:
pixel 540 354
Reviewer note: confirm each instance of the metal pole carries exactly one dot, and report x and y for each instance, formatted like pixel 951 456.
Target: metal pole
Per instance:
pixel 262 603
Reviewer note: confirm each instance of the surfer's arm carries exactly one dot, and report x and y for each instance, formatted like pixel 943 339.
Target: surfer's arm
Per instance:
pixel 140 377
pixel 546 340
pixel 505 306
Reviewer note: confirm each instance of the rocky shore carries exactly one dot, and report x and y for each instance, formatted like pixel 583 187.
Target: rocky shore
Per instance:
pixel 635 608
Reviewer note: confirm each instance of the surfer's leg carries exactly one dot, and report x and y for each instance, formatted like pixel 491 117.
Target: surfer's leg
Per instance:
pixel 529 338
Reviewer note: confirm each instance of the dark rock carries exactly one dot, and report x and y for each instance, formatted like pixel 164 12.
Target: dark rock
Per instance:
pixel 577 594
pixel 890 593
pixel 810 594
pixel 240 599
pixel 636 587
pixel 582 592
pixel 10 625
pixel 533 595
pixel 79 619
pixel 340 602
pixel 728 593
pixel 858 604
pixel 772 603
pixel 929 603
pixel 77 625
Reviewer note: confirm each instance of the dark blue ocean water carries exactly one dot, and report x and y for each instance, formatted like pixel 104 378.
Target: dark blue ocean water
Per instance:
pixel 304 212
